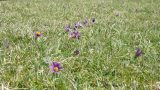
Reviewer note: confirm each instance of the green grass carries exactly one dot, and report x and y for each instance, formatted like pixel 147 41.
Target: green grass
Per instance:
pixel 107 49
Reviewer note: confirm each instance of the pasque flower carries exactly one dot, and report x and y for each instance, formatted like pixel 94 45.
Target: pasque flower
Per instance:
pixel 67 28
pixel 138 53
pixel 78 25
pixel 85 22
pixel 37 34
pixel 74 34
pixel 56 67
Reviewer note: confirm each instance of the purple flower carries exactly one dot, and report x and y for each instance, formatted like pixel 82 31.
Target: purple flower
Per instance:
pixel 76 52
pixel 78 25
pixel 93 20
pixel 74 34
pixel 37 34
pixel 56 67
pixel 138 53
pixel 67 28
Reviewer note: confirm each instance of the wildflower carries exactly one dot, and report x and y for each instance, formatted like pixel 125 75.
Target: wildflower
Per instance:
pixel 67 28
pixel 37 34
pixel 78 25
pixel 56 67
pixel 76 52
pixel 138 53
pixel 85 22
pixel 74 34
pixel 93 20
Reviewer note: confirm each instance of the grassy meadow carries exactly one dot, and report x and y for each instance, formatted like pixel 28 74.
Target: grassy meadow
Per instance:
pixel 107 48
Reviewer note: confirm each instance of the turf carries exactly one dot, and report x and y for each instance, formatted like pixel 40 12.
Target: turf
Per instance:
pixel 107 48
